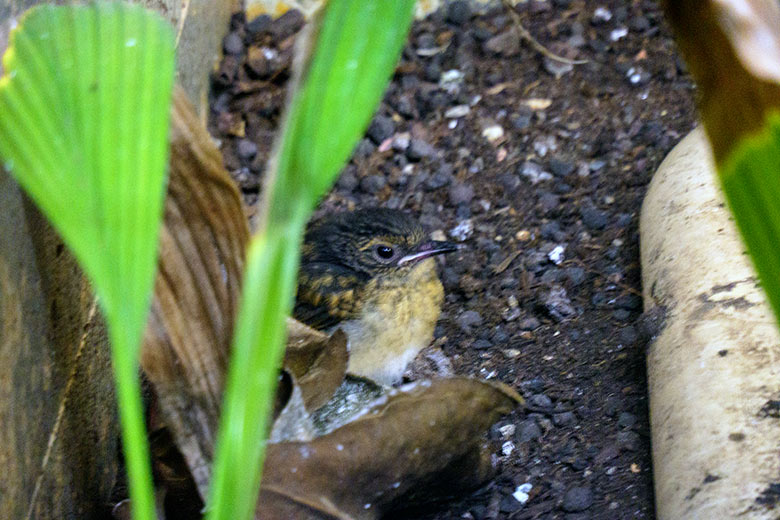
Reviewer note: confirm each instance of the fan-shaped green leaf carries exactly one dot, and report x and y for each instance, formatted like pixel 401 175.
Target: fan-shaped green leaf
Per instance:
pixel 84 115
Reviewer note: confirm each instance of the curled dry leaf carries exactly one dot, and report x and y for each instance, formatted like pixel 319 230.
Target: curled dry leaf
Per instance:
pixel 202 246
pixel 420 443
pixel 317 362
pixel 187 340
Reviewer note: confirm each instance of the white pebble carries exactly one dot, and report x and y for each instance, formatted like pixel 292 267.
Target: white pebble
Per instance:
pixel 618 33
pixel 602 14
pixel 521 493
pixel 457 111
pixel 507 430
pixel 556 255
pixel 493 133
pixel 507 448
pixel 463 230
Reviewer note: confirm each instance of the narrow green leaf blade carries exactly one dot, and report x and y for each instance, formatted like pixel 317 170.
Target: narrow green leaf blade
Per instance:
pixel 358 45
pixel 750 177
pixel 269 285
pixel 357 48
pixel 84 116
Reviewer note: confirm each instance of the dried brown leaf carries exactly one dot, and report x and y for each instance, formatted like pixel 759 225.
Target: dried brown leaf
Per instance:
pixel 424 442
pixel 187 341
pixel 317 362
pixel 733 52
pixel 202 247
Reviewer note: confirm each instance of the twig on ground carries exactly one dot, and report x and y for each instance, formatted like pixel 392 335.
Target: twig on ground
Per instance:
pixel 538 47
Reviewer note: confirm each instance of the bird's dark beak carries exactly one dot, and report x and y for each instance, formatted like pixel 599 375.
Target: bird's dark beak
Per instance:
pixel 427 250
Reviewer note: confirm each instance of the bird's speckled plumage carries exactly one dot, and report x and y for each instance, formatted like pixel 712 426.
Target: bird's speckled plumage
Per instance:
pixel 388 307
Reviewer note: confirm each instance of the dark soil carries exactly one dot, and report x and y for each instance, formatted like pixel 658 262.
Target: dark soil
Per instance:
pixel 546 295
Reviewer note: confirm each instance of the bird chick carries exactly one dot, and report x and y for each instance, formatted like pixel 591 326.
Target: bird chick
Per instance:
pixel 371 273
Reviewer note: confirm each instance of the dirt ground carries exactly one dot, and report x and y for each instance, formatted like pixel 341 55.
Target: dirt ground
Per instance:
pixel 539 169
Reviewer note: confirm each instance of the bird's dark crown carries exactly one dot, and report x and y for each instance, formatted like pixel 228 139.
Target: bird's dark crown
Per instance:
pixel 369 241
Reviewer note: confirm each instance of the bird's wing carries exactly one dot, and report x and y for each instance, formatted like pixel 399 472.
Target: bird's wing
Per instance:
pixel 327 294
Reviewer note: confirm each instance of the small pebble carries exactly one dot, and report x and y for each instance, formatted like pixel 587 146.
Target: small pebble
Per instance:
pixel 507 448
pixel 461 193
pixel 259 25
pixel 631 302
pixel 540 401
pixel 419 149
pixel 246 149
pixel 401 142
pixel 556 255
pixel 601 14
pixel 381 128
pixel 373 184
pixel 626 420
pixel 523 119
pixel 593 218
pixel 564 419
pixel 451 80
pixel 548 202
pixel 528 430
pixel 506 44
pixel 558 305
pixel 529 323
pixel 509 504
pixel 438 235
pixel 551 230
pixel 535 385
pixel 457 111
pixel 628 335
pixel 618 33
pixel 551 276
pixel 561 168
pixel 348 181
pixel 363 149
pixel 639 24
pixel 628 440
pixel 637 76
pixel 462 211
pixel 576 275
pixel 286 25
pixel 577 499
pixel 533 172
pixel 458 12
pixel 440 178
pixel 493 133
pixel 521 494
pixel 463 230
pixel 233 44
pixel 481 344
pixel 469 319
pixel 499 335
pixel 544 144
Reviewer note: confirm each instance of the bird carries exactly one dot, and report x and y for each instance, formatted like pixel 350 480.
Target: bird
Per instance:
pixel 371 273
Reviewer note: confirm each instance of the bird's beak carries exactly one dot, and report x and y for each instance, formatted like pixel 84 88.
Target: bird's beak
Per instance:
pixel 428 249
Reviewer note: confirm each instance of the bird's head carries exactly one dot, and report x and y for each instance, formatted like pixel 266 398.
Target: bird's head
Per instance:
pixel 374 241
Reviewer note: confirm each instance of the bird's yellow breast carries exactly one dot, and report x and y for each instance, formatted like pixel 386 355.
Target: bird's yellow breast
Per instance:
pixel 395 322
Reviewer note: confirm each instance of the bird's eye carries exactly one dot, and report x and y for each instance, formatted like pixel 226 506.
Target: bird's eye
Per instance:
pixel 384 252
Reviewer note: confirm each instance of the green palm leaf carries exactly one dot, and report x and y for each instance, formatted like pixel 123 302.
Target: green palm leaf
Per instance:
pixel 84 116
